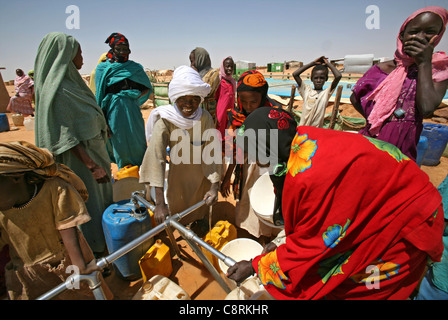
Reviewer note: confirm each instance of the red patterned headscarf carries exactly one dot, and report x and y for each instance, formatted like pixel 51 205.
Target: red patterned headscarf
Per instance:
pixel 250 80
pixel 114 39
pixel 344 220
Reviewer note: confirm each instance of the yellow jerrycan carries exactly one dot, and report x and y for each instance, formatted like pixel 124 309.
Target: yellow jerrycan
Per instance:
pixel 221 233
pixel 156 261
pixel 128 171
pixel 161 288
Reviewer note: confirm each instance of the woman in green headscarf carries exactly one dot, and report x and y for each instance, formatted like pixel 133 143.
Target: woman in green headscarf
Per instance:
pixel 71 125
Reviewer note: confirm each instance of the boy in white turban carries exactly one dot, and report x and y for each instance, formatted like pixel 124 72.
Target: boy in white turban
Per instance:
pixel 195 156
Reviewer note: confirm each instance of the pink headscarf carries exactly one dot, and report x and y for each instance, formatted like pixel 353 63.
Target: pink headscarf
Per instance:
pixel 387 93
pixel 222 73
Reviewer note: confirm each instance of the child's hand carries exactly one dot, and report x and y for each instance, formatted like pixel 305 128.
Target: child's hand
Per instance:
pixel 90 267
pixel 211 197
pixel 160 213
pixel 225 187
pixel 320 60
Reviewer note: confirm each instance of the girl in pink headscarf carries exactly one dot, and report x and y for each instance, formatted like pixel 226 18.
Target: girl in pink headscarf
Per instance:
pixel 225 94
pixel 394 96
pixel 22 101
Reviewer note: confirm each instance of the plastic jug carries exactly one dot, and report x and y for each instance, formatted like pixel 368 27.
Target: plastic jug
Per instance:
pixel 221 234
pixel 29 123
pixel 4 122
pixel 160 288
pixel 128 171
pixel 156 261
pixel 122 223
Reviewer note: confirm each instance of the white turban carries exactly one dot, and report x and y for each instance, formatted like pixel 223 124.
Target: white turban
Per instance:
pixel 187 82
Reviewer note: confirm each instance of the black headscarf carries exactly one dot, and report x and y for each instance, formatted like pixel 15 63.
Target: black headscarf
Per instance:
pixel 114 39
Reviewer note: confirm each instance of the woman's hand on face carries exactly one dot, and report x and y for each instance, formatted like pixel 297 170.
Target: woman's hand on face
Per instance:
pixel 420 49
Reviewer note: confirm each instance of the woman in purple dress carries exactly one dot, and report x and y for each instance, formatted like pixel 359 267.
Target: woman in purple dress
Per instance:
pixel 394 96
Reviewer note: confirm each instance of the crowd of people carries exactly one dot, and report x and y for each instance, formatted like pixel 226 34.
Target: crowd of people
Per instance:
pixel 347 203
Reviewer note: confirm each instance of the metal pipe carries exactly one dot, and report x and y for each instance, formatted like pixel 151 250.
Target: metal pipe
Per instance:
pixel 146 236
pixel 190 235
pixel 136 196
pixel 208 265
pixel 93 280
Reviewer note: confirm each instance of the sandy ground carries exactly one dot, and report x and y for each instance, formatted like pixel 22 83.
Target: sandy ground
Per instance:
pixel 189 271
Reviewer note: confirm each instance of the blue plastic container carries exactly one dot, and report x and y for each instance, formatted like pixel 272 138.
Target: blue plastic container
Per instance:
pixel 121 225
pixel 437 135
pixel 4 122
pixel 422 148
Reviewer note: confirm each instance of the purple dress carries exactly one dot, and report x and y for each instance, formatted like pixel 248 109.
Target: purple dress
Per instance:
pixel 403 133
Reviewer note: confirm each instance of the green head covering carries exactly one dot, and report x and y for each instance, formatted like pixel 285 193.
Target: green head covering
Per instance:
pixel 202 61
pixel 66 109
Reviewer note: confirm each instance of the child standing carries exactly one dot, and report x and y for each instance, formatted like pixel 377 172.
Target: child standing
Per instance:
pixel 189 131
pixel 252 93
pixel 395 95
pixel 41 205
pixel 225 95
pixel 316 100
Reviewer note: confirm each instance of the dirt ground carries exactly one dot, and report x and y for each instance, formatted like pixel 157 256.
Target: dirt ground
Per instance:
pixel 189 271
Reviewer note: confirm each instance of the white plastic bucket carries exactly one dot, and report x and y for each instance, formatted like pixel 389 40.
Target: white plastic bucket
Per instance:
pixel 262 199
pixel 240 249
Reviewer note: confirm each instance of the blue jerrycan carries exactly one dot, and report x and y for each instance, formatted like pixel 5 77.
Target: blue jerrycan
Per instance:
pixel 122 223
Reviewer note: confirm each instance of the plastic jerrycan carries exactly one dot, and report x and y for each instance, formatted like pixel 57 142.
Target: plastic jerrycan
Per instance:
pixel 128 171
pixel 437 135
pixel 4 122
pixel 160 288
pixel 221 233
pixel 122 223
pixel 156 261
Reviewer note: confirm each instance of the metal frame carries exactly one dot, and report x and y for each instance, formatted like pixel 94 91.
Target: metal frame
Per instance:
pixel 93 279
